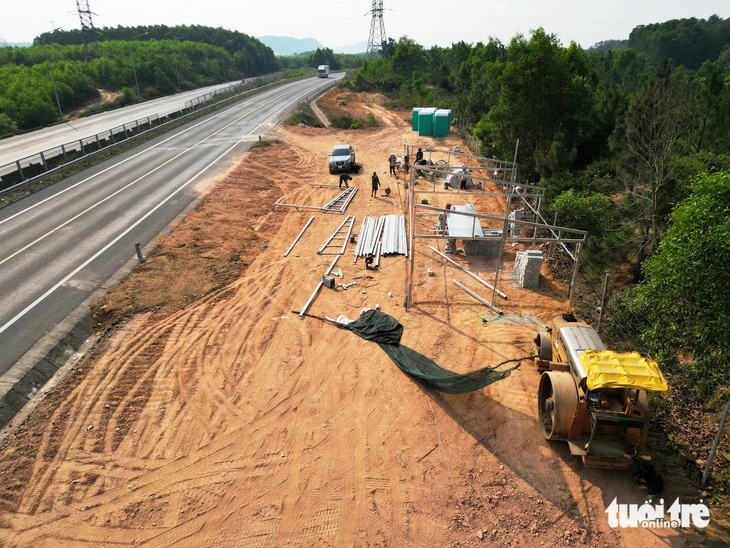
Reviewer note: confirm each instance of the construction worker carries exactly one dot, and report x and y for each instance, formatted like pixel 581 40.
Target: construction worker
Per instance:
pixel 376 185
pixel 343 179
pixel 406 161
pixel 391 163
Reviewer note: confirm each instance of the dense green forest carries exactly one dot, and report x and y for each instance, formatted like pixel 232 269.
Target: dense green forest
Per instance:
pixel 60 72
pixel 626 143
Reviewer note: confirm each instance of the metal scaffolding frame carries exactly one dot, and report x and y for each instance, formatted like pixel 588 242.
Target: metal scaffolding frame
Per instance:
pixel 503 174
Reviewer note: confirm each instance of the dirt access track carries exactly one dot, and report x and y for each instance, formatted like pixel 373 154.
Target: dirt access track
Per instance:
pixel 212 415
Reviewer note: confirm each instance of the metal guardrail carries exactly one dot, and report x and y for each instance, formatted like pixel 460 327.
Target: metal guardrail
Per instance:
pixel 28 170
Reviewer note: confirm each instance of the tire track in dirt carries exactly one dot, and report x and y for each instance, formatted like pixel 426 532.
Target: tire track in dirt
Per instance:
pixel 84 411
pixel 199 360
pixel 234 421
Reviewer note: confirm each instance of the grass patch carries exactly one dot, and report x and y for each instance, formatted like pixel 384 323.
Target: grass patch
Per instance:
pixel 304 116
pixel 261 143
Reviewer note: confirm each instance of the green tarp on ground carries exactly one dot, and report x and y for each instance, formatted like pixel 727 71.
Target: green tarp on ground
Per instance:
pixel 385 330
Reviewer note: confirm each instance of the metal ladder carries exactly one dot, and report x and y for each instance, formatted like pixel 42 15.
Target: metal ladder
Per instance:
pixel 337 243
pixel 340 203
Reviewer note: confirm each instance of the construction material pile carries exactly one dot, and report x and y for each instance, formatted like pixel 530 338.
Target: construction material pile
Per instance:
pixel 527 268
pixel 382 235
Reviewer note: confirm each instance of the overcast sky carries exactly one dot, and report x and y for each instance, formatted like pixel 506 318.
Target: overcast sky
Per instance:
pixel 343 22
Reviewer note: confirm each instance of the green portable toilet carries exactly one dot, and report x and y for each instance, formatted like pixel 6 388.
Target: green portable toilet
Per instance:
pixel 414 118
pixel 425 121
pixel 441 123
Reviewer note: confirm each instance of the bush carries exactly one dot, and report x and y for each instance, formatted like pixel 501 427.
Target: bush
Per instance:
pixel 129 96
pixel 687 289
pixel 305 116
pixel 7 126
pixel 344 121
pixel 587 211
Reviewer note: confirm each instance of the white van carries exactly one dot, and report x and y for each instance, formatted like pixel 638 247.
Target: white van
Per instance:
pixel 323 71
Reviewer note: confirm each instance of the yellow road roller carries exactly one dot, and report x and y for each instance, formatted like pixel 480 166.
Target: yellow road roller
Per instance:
pixel 594 398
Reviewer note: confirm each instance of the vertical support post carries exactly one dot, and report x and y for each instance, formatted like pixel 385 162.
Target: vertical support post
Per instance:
pixel 503 243
pixel 411 251
pixel 603 303
pixel 552 244
pixel 513 179
pixel 720 428
pixel 55 90
pixel 575 276
pixel 139 252
pixel 505 225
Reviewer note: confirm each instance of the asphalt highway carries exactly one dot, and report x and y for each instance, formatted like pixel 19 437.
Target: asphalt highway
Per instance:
pixel 60 245
pixel 27 144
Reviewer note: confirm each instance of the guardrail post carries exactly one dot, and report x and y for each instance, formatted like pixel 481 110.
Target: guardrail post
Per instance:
pixel 63 149
pixel 20 170
pixel 139 252
pixel 43 159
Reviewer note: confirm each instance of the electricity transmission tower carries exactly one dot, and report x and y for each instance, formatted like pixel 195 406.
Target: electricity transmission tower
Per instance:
pixel 377 39
pixel 87 27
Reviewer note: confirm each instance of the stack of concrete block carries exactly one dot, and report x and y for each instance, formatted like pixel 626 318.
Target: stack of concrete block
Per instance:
pixel 527 268
pixel 477 247
pixel 514 228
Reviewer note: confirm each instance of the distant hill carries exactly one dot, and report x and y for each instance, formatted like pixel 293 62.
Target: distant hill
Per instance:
pixel 361 47
pixel 15 44
pixel 285 45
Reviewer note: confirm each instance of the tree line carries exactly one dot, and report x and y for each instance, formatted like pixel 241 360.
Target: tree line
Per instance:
pixel 629 143
pixel 61 72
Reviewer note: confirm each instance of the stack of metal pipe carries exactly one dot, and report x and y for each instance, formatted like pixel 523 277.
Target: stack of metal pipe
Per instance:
pixel 382 235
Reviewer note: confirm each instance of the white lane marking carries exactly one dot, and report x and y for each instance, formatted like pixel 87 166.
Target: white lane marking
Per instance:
pixel 220 114
pixel 40 299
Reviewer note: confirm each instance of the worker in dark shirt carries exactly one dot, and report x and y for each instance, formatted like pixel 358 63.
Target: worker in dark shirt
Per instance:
pixel 375 185
pixel 343 180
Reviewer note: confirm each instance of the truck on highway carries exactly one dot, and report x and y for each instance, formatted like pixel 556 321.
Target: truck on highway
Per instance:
pixel 323 71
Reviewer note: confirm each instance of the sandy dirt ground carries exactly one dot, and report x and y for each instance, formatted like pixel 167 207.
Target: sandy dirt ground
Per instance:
pixel 211 414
